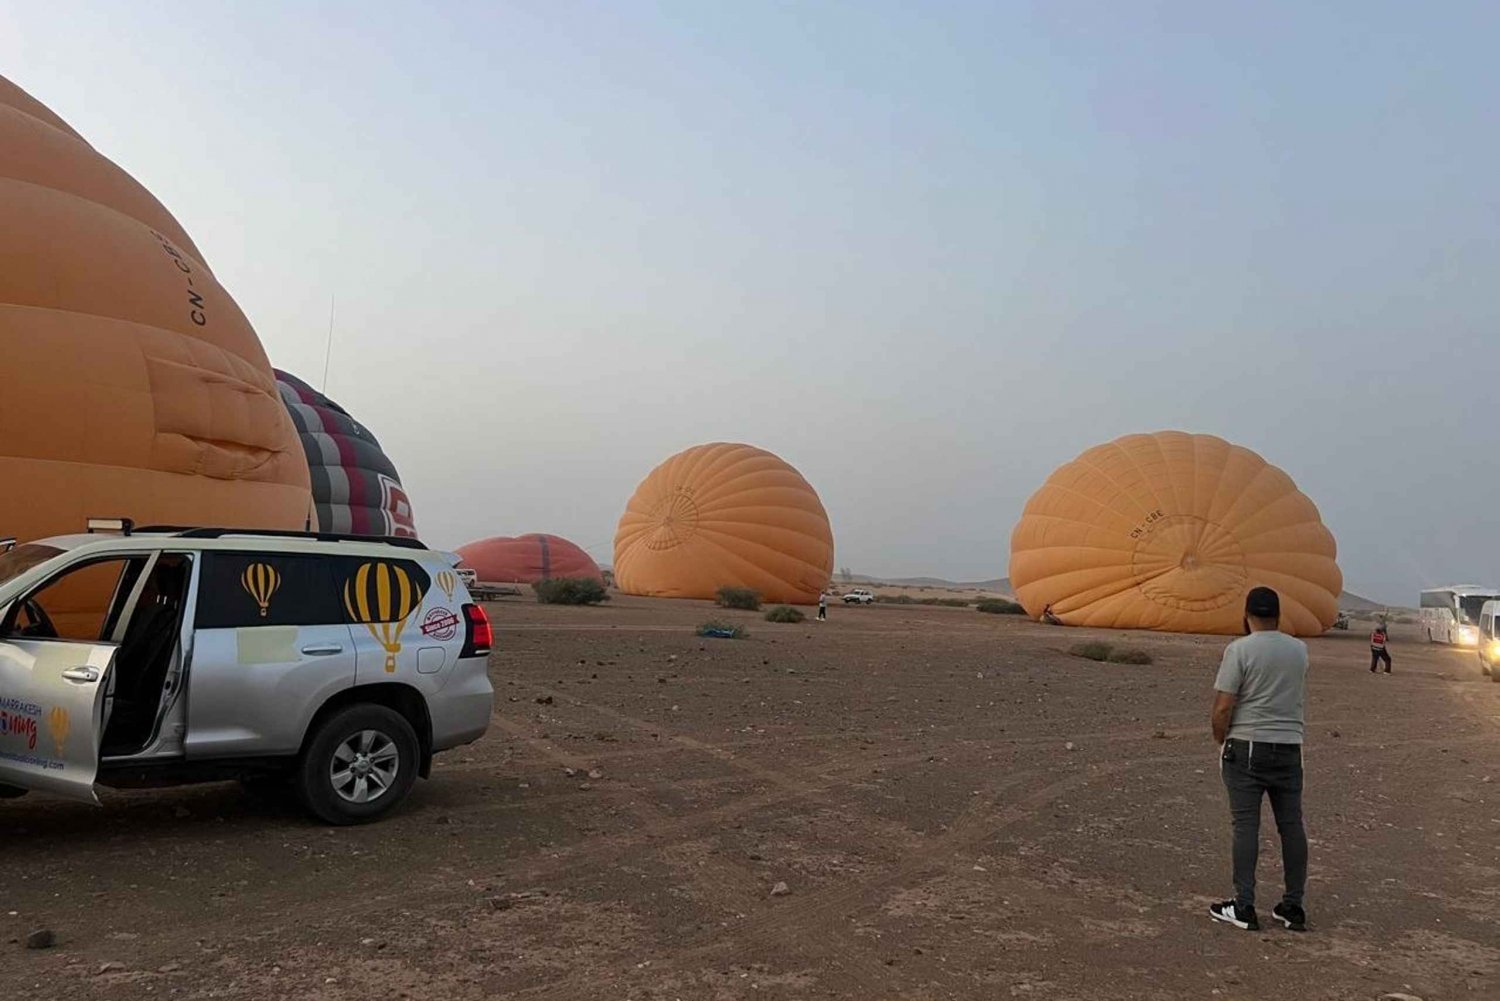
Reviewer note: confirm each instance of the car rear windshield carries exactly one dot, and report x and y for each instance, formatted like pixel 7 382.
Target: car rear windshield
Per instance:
pixel 22 558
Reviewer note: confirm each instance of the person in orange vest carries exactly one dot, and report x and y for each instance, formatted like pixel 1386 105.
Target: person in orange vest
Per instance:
pixel 1378 652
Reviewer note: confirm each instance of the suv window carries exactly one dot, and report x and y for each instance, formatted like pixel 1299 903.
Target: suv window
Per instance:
pixel 76 605
pixel 239 590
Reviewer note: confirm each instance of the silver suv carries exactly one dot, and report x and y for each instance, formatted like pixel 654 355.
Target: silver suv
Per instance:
pixel 340 664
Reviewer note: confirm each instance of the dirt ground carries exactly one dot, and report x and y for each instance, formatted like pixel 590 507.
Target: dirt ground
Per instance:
pixel 956 806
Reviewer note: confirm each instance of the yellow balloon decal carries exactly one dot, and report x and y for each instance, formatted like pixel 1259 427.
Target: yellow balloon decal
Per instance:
pixel 383 597
pixel 58 725
pixel 261 581
pixel 448 581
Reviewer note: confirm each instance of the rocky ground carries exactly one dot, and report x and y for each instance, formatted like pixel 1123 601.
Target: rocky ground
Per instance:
pixel 904 802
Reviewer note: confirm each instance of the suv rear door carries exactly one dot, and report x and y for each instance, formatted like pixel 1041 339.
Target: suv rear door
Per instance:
pixel 57 647
pixel 270 646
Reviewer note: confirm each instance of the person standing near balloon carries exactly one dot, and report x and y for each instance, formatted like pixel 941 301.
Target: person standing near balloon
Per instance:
pixel 823 606
pixel 1378 652
pixel 1259 719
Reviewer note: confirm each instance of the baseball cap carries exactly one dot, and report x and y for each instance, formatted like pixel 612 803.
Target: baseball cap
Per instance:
pixel 1263 603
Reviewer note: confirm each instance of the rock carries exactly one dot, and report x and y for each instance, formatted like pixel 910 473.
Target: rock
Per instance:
pixel 544 700
pixel 368 943
pixel 502 903
pixel 169 968
pixel 1070 746
pixel 1398 996
pixel 595 774
pixel 780 890
pixel 1334 733
pixel 41 938
pixel 110 967
pixel 584 786
pixel 1159 734
pixel 671 657
pixel 445 819
pixel 570 772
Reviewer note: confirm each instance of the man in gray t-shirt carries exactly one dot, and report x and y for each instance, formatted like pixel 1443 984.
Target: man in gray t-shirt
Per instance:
pixel 1259 720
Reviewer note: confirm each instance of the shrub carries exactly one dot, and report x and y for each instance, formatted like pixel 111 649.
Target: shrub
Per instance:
pixel 999 606
pixel 570 591
pixel 945 602
pixel 739 597
pixel 1125 656
pixel 1091 650
pixel 785 613
pixel 722 630
pixel 896 599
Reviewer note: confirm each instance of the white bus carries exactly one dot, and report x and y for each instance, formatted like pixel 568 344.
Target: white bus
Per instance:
pixel 1451 614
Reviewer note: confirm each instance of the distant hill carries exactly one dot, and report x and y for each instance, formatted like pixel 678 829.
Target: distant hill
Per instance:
pixel 1348 601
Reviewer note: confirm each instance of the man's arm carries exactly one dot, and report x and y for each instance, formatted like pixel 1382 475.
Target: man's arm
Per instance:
pixel 1222 715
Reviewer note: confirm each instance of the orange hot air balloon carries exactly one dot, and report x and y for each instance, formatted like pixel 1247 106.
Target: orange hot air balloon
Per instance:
pixel 135 386
pixel 724 515
pixel 1169 531
pixel 527 559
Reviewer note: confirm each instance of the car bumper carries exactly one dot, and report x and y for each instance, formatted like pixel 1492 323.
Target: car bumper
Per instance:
pixel 461 712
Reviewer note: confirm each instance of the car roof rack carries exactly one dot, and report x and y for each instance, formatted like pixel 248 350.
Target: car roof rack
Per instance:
pixel 183 532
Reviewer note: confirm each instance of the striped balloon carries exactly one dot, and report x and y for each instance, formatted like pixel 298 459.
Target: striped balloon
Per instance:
pixel 355 486
pixel 382 596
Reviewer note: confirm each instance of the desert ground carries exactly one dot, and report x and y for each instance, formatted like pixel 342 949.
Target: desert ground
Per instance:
pixel 957 808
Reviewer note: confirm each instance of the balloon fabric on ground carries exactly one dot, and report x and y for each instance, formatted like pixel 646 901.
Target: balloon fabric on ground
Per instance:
pixel 527 559
pixel 1169 531
pixel 722 515
pixel 355 487
pixel 138 387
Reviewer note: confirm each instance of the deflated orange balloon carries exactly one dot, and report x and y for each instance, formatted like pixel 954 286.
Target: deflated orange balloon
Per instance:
pixel 724 515
pixel 1169 531
pixel 134 385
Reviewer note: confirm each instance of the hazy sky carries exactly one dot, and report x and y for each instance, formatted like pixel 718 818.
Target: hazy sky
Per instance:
pixel 925 252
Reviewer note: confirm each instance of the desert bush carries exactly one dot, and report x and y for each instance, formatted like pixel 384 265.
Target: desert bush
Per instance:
pixel 570 591
pixel 739 597
pixel 1123 655
pixel 945 602
pixel 896 599
pixel 722 630
pixel 999 606
pixel 785 613
pixel 1091 650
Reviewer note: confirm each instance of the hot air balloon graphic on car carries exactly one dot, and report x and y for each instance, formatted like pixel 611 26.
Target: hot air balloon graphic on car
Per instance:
pixel 448 581
pixel 260 581
pixel 58 725
pixel 382 596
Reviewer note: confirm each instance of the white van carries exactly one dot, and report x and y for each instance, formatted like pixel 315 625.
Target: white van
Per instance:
pixel 1489 639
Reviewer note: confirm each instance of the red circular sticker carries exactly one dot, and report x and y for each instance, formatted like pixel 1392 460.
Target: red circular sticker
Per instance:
pixel 440 624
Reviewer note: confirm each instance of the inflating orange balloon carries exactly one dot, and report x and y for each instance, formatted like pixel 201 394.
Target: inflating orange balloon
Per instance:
pixel 1169 531
pixel 527 559
pixel 724 515
pixel 135 386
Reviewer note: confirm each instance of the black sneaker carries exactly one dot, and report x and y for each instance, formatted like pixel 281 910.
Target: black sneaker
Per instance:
pixel 1228 913
pixel 1290 915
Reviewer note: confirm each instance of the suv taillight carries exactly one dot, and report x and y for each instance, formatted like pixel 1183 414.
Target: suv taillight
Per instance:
pixel 479 636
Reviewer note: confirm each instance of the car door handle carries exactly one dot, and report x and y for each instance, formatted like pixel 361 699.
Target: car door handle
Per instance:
pixel 87 675
pixel 323 649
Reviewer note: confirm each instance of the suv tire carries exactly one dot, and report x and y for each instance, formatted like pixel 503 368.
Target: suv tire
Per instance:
pixel 358 764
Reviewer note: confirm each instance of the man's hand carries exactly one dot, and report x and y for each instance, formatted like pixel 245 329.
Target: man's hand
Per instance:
pixel 1223 714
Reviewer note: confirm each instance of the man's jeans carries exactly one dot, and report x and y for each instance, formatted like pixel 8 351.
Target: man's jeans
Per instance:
pixel 1251 769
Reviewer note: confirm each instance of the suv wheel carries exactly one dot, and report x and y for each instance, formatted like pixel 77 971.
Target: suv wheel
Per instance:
pixel 358 764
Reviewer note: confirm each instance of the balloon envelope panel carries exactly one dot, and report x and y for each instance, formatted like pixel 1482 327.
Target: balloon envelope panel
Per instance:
pixel 134 385
pixel 527 559
pixel 1169 531
pixel 721 515
pixel 355 485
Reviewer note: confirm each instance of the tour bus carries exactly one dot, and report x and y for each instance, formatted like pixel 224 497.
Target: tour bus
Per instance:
pixel 1451 614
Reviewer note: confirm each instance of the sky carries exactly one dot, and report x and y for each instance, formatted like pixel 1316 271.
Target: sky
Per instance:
pixel 924 252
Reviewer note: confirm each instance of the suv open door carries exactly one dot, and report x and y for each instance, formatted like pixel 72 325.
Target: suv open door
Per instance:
pixel 52 713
